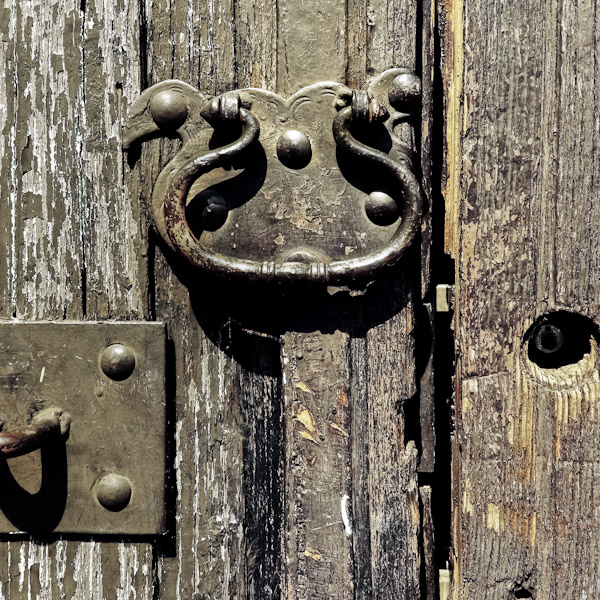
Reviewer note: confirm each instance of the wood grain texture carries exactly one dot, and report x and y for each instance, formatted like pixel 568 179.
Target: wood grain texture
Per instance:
pixel 382 560
pixel 227 455
pixel 430 572
pixel 391 372
pixel 311 43
pixel 522 141
pixel 393 456
pixel 317 513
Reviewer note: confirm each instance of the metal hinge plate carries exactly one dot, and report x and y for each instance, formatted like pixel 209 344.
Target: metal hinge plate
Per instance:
pixel 108 475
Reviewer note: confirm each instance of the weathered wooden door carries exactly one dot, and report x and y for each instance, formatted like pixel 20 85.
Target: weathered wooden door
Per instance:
pixel 311 452
pixel 293 418
pixel 521 182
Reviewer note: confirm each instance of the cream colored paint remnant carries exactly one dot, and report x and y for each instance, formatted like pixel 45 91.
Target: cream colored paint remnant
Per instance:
pixel 339 429
pixel 454 73
pixel 468 507
pixel 532 529
pixel 346 514
pixel 313 554
pixel 444 584
pixel 493 517
pixel 305 417
pixel 469 392
pixel 308 436
pixel 301 385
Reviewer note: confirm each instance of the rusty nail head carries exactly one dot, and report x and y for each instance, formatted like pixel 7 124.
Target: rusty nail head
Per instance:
pixel 169 109
pixel 117 361
pixel 294 149
pixel 113 492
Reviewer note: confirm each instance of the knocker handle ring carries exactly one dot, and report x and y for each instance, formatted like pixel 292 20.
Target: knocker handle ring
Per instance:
pixel 48 426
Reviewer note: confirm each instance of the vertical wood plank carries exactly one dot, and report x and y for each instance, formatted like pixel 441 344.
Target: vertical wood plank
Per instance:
pixel 359 25
pixel 40 223
pixel 311 43
pixel 392 35
pixel 261 399
pixel 393 457
pixel 203 557
pixel 317 524
pixel 430 572
pixel 390 378
pixel 577 151
pixel 256 44
pixel 522 137
pixel 220 495
pixel 70 229
pixel 361 514
pixel 227 461
pixel 317 549
pixel 111 224
pixel 114 239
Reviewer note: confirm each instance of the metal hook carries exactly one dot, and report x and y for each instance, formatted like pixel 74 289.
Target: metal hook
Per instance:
pixel 47 427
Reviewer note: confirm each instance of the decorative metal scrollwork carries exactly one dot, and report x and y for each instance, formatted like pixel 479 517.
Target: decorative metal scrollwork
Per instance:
pixel 317 187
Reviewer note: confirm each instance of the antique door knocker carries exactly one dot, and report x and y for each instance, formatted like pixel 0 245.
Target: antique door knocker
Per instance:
pixel 317 187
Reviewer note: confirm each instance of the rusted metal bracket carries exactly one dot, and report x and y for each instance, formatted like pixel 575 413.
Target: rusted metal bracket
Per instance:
pixel 96 465
pixel 49 426
pixel 315 188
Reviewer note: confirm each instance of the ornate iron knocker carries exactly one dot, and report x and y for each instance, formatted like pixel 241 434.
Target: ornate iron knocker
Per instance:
pixel 308 222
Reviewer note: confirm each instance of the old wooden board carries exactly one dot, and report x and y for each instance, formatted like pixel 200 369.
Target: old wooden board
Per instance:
pixel 72 239
pixel 295 478
pixel 522 143
pixel 255 509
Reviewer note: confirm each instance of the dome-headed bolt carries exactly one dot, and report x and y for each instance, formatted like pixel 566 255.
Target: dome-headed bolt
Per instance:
pixel 169 109
pixel 113 492
pixel 294 149
pixel 117 361
pixel 381 208
pixel 405 94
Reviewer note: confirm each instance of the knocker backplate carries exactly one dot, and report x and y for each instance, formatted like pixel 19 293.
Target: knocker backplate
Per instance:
pixel 293 195
pixel 277 210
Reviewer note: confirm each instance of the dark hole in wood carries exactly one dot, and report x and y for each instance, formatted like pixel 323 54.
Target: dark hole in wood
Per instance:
pixel 522 593
pixel 559 339
pixel 549 341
